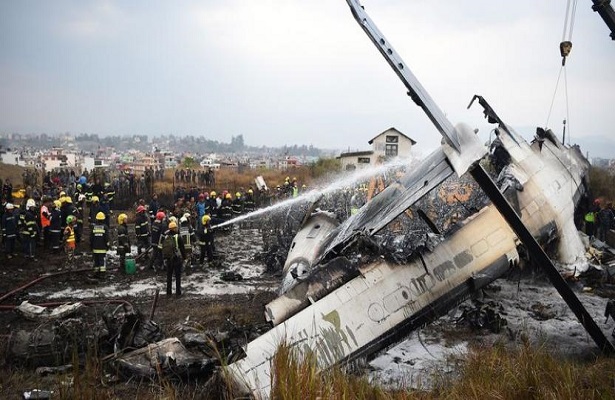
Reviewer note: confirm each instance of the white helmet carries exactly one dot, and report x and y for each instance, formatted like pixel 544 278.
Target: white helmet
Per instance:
pixel 186 215
pixel 30 203
pixel 81 197
pixel 9 206
pixel 183 219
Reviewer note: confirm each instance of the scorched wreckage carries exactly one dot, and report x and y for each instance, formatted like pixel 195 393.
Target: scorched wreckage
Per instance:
pixel 349 291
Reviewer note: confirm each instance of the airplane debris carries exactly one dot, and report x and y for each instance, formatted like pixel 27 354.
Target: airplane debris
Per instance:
pixel 168 357
pixel 483 315
pixel 34 312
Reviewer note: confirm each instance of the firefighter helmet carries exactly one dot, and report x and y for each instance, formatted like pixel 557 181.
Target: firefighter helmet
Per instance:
pixel 122 218
pixel 100 216
pixel 172 225
pixel 140 209
pixel 70 219
pixel 160 215
pixel 228 196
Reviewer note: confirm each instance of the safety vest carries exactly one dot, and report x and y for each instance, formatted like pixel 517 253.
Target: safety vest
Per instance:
pixel 69 232
pixel 45 221
pixel 590 217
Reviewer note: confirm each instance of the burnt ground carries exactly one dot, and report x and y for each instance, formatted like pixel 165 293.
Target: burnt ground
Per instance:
pixel 209 303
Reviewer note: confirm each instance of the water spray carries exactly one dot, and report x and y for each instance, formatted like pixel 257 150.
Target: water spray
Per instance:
pixel 315 195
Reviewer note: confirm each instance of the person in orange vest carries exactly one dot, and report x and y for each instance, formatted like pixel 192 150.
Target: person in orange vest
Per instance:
pixel 69 241
pixel 45 218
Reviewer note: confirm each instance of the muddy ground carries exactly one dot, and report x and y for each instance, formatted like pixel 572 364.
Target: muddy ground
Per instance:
pixel 210 302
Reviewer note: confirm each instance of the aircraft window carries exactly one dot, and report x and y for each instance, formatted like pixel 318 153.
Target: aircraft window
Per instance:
pixel 313 232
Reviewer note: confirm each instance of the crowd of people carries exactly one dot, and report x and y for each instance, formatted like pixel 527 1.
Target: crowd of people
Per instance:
pixel 599 219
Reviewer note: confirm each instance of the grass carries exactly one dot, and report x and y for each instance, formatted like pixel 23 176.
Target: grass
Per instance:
pixel 487 373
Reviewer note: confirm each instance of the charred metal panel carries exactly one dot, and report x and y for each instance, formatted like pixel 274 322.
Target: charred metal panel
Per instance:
pixel 393 201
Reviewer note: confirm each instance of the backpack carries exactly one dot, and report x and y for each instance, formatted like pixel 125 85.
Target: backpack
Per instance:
pixel 169 247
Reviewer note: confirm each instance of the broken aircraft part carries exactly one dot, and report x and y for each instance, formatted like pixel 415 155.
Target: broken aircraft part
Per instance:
pixel 34 312
pixel 369 306
pixel 167 357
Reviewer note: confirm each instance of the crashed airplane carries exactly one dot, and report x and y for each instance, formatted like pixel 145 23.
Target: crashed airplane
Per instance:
pixel 347 294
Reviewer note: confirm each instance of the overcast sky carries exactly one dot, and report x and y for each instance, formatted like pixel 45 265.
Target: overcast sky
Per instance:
pixel 296 71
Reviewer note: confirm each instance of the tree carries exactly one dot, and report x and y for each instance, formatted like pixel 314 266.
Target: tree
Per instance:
pixel 189 162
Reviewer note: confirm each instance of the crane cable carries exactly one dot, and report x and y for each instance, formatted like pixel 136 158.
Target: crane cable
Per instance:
pixel 565 47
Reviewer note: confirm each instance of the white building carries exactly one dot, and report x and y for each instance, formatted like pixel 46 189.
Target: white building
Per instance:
pixel 385 146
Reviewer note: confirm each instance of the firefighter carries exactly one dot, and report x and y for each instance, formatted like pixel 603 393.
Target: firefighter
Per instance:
pixel 159 227
pixel 9 230
pixel 29 230
pixel 94 209
pixel 173 253
pixel 142 230
pixel 79 222
pixel 109 191
pixel 69 240
pixel 123 241
pixel 55 227
pixel 248 202
pixel 99 243
pixel 186 233
pixel 206 240
pixel 237 205
pixel 226 208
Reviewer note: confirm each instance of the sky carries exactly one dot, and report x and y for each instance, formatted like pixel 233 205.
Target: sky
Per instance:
pixel 285 72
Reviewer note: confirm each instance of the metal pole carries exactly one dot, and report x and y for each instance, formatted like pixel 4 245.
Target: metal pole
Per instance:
pixel 538 255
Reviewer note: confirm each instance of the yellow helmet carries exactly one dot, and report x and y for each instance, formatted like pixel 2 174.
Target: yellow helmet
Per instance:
pixel 212 194
pixel 57 203
pixel 122 218
pixel 238 195
pixel 206 218
pixel 172 225
pixel 100 216
pixel 228 196
pixel 95 199
pixel 62 193
pixel 250 191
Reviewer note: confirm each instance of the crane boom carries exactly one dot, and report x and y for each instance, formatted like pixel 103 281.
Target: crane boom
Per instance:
pixel 604 8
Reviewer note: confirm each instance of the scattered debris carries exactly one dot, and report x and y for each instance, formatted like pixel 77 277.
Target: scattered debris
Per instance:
pixel 34 312
pixel 481 315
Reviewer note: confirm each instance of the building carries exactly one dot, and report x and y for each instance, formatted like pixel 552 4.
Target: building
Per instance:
pixel 385 146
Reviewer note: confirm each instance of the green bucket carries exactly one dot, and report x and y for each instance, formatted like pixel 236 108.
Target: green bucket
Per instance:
pixel 130 266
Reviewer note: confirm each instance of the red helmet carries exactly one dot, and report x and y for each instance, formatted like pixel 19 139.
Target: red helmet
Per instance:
pixel 140 209
pixel 160 215
pixel 201 196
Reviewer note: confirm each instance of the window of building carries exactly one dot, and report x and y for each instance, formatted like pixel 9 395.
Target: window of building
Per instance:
pixel 390 150
pixel 392 139
pixel 363 160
